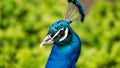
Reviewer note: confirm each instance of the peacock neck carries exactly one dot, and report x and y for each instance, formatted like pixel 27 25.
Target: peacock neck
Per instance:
pixel 65 56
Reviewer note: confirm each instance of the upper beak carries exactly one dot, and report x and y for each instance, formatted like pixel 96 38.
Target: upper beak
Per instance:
pixel 48 40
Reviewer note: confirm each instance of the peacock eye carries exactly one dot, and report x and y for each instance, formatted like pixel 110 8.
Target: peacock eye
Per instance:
pixel 61 33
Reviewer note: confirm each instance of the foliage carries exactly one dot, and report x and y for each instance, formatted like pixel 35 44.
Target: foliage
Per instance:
pixel 24 24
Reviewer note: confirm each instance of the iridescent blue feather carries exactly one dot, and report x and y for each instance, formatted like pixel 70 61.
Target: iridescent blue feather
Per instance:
pixel 66 43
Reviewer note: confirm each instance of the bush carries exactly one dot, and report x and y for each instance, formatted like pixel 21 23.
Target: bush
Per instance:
pixel 24 24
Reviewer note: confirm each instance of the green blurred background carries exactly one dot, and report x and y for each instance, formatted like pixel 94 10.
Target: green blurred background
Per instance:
pixel 24 24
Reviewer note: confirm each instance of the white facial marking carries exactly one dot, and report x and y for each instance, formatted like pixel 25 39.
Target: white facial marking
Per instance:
pixel 48 39
pixel 57 33
pixel 66 34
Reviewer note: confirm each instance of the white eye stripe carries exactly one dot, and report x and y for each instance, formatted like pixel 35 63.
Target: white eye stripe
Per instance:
pixel 66 34
pixel 57 33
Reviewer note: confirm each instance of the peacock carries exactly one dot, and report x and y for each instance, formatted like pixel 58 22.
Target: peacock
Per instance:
pixel 66 43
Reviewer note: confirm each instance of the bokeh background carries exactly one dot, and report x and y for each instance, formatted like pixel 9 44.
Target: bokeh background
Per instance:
pixel 24 24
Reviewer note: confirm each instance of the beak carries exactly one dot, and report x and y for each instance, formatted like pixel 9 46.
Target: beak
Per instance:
pixel 48 40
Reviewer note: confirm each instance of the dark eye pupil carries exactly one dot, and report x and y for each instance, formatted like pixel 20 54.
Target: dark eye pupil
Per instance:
pixel 61 33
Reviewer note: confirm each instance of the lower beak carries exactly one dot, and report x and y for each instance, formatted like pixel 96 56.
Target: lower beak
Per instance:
pixel 48 40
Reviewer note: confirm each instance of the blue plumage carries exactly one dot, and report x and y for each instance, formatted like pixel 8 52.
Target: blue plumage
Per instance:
pixel 64 54
pixel 66 43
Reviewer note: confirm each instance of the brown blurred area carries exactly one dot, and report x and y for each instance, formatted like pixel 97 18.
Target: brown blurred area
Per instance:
pixel 88 3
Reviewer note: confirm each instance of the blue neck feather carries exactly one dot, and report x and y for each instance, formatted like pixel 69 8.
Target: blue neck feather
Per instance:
pixel 65 56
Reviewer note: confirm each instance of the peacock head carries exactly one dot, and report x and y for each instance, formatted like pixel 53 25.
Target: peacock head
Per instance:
pixel 59 33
